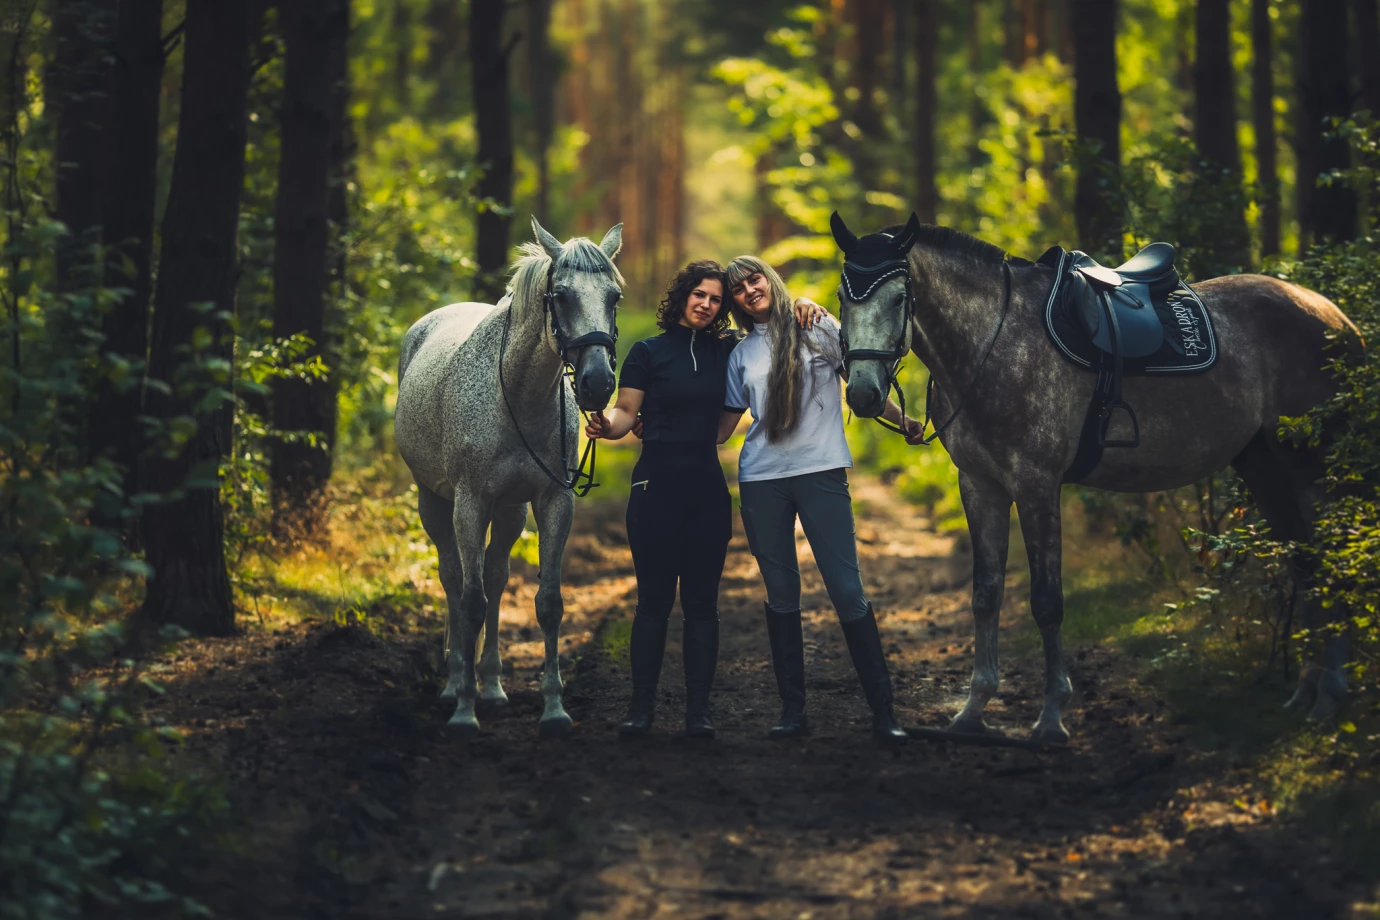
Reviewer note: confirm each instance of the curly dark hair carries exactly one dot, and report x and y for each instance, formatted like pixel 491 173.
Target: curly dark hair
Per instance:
pixel 678 295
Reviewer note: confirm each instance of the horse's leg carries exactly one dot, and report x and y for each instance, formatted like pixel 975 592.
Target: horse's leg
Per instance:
pixel 554 512
pixel 1041 527
pixel 503 533
pixel 470 522
pixel 988 509
pixel 1287 498
pixel 438 520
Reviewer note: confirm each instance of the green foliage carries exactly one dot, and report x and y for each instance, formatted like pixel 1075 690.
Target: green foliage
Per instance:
pixel 90 820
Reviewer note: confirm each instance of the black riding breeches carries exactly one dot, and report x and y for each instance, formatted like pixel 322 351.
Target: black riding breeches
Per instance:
pixel 679 524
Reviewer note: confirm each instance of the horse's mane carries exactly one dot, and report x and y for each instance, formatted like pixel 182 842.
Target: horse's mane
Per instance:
pixel 947 239
pixel 579 254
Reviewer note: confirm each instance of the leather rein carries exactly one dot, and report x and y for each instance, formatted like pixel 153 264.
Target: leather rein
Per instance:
pixel 902 347
pixel 576 479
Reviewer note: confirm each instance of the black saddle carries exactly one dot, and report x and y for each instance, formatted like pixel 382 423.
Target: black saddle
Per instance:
pixel 1138 318
pixel 1116 306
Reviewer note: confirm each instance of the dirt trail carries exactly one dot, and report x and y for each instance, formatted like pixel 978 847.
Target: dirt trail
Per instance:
pixel 353 804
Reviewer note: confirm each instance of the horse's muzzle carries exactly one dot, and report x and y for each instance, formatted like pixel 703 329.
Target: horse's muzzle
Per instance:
pixel 865 398
pixel 594 381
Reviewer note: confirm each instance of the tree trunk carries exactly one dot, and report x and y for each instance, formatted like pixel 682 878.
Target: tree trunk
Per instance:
pixel 493 121
pixel 1097 119
pixel 136 82
pixel 1013 33
pixel 183 536
pixel 1214 123
pixel 78 85
pixel 1263 113
pixel 1368 59
pixel 1325 93
pixel 869 46
pixel 542 81
pixel 1214 86
pixel 313 31
pixel 926 108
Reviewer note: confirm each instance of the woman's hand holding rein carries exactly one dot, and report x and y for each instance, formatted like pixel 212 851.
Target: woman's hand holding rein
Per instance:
pixel 619 420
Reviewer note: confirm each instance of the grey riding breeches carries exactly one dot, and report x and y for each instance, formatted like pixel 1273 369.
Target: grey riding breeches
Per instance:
pixel 825 509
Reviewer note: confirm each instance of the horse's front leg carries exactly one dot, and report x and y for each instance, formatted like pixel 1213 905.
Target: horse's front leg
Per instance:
pixel 554 512
pixel 503 533
pixel 1040 525
pixel 470 522
pixel 988 509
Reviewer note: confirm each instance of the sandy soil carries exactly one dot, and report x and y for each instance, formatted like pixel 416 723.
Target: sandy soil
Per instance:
pixel 350 802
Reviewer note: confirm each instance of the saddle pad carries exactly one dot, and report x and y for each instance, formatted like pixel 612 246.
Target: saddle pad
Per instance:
pixel 1190 346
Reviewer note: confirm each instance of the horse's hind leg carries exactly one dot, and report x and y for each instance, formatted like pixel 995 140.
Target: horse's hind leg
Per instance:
pixel 554 513
pixel 988 509
pixel 503 533
pixel 1041 527
pixel 1287 494
pixel 437 519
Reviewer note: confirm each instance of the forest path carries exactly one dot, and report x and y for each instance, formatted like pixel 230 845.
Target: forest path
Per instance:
pixel 354 804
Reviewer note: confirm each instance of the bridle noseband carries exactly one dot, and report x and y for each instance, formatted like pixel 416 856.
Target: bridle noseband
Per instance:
pixel 576 479
pixel 869 277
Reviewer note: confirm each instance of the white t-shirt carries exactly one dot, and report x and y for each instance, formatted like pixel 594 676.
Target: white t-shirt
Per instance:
pixel 817 443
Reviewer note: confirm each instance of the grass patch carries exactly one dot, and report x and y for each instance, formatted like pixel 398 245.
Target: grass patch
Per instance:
pixel 615 641
pixel 1222 689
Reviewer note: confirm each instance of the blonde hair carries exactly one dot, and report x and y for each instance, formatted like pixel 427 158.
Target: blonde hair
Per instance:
pixel 785 380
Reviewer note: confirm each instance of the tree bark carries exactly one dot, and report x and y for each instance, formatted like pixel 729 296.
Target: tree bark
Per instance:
pixel 1214 86
pixel 926 108
pixel 314 35
pixel 1263 113
pixel 183 536
pixel 1214 124
pixel 1325 93
pixel 1013 33
pixel 1368 59
pixel 136 83
pixel 78 90
pixel 542 81
pixel 494 123
pixel 1097 119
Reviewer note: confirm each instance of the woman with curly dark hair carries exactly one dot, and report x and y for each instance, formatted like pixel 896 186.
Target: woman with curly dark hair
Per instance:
pixel 679 512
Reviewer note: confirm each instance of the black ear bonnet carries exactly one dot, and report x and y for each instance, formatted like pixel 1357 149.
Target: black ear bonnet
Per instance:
pixel 874 258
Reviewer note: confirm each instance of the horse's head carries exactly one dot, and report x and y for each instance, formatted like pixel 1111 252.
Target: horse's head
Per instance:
pixel 583 289
pixel 876 305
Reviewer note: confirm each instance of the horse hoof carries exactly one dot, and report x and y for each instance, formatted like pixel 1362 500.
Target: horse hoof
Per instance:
pixel 1324 709
pixel 450 693
pixel 462 729
pixel 558 727
pixel 1044 733
pixel 964 726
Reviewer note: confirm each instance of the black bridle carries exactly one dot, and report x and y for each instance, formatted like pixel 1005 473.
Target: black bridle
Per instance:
pixel 575 479
pixel 879 273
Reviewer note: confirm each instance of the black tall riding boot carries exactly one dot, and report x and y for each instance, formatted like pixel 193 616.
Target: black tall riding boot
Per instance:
pixel 700 644
pixel 646 647
pixel 865 647
pixel 787 638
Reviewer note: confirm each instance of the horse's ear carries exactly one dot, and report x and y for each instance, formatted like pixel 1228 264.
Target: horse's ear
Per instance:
pixel 842 235
pixel 904 240
pixel 548 242
pixel 612 241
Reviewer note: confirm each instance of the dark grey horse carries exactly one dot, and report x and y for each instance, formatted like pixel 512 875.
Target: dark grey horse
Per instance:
pixel 1022 411
pixel 482 447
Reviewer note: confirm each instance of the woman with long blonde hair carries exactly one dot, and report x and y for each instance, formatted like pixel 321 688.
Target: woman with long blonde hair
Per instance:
pixel 793 464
